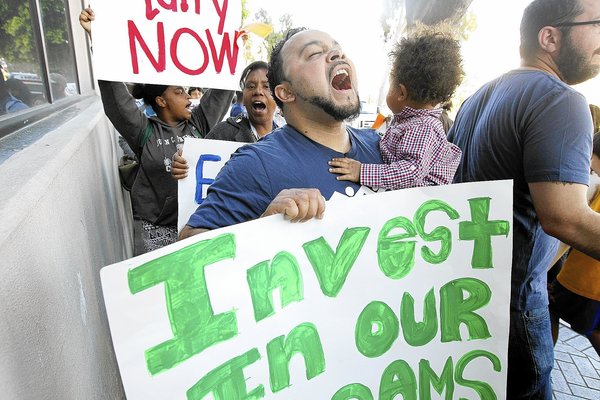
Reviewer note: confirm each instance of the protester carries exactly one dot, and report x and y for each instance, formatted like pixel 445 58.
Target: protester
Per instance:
pixel 8 102
pixel 426 69
pixel 529 125
pixel 154 141
pixel 260 107
pixel 58 85
pixel 20 90
pixel 445 117
pixel 259 104
pixel 237 107
pixel 195 93
pixel 575 293
pixel 595 110
pixel 315 85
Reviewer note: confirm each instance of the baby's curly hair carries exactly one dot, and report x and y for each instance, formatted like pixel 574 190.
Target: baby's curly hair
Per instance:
pixel 428 63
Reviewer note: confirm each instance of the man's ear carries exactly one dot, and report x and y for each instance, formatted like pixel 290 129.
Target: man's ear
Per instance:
pixel 162 103
pixel 284 93
pixel 549 39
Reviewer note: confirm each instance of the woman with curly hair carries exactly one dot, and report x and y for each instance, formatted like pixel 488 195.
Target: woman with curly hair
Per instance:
pixel 427 68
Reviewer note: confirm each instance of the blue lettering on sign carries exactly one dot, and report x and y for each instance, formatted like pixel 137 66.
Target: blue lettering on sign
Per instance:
pixel 200 179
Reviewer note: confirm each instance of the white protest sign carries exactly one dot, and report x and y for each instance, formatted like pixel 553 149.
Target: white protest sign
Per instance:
pixel 192 43
pixel 398 293
pixel 205 158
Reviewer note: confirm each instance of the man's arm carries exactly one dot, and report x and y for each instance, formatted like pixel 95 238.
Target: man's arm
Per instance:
pixel 188 231
pixel 212 108
pixel 564 213
pixel 296 205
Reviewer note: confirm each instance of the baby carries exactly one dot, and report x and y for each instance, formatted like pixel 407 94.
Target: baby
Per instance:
pixel 427 68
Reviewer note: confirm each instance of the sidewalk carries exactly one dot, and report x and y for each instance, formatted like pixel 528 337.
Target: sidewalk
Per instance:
pixel 576 373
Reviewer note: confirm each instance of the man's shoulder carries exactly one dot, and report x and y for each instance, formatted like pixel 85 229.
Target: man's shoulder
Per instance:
pixel 534 80
pixel 365 135
pixel 520 94
pixel 540 94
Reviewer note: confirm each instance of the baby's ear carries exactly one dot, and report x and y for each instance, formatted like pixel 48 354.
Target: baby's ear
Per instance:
pixel 402 92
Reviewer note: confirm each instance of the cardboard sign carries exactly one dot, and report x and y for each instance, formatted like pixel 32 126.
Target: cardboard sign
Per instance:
pixel 186 42
pixel 398 293
pixel 206 158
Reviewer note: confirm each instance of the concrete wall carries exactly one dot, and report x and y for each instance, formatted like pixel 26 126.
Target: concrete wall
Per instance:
pixel 63 217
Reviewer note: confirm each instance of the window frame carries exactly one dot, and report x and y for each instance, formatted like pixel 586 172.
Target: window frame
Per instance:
pixel 13 122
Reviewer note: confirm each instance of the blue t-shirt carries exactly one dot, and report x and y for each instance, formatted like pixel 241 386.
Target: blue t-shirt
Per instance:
pixel 237 109
pixel 11 104
pixel 530 127
pixel 284 159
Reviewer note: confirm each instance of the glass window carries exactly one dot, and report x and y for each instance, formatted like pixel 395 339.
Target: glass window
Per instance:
pixel 59 51
pixel 19 58
pixel 36 56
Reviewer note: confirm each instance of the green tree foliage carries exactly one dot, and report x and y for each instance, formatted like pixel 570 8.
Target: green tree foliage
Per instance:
pixel 18 44
pixel 245 11
pixel 285 23
pixel 467 25
pixel 389 17
pixel 427 12
pixel 16 30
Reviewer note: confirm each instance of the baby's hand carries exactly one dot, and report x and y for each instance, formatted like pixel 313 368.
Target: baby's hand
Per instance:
pixel 348 169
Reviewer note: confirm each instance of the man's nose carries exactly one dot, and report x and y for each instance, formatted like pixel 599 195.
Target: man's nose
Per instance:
pixel 336 54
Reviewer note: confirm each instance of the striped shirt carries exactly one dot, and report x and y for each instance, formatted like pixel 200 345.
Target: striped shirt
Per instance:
pixel 415 152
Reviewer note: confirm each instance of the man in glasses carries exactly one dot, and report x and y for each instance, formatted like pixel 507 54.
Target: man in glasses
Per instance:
pixel 529 125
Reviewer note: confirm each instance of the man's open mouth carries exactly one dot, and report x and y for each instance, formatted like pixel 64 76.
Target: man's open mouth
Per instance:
pixel 259 106
pixel 341 80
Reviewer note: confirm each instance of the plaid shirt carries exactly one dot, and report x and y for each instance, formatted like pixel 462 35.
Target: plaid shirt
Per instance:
pixel 415 152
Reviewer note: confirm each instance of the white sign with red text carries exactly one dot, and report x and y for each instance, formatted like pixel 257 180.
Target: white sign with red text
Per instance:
pixel 185 42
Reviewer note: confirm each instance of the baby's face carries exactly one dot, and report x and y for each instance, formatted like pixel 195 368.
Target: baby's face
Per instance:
pixel 596 164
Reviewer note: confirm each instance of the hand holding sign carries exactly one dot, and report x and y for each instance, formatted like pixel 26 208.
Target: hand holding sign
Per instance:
pixel 297 205
pixel 179 166
pixel 85 20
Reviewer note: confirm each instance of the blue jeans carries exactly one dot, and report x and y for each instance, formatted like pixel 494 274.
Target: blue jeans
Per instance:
pixel 530 355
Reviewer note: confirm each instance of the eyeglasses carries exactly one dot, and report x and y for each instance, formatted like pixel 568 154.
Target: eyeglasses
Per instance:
pixel 577 23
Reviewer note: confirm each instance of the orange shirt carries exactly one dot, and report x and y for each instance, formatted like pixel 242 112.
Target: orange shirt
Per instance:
pixel 581 273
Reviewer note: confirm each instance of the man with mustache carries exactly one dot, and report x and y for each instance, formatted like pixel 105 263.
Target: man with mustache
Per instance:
pixel 314 83
pixel 529 125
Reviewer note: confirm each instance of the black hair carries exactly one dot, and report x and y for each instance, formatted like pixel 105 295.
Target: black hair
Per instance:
pixel 20 90
pixel 428 63
pixel 149 93
pixel 541 13
pixel 249 68
pixel 275 72
pixel 596 146
pixel 595 110
pixel 239 96
pixel 193 88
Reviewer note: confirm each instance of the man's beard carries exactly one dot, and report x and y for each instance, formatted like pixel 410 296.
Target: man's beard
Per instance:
pixel 339 113
pixel 572 63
